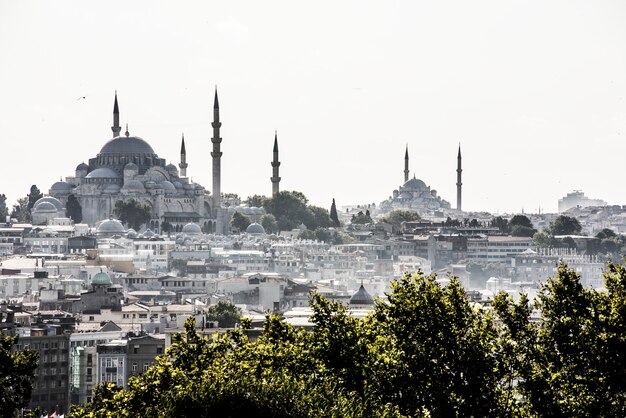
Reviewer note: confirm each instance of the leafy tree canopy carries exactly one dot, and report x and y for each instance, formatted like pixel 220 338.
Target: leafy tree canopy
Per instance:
pixel 362 218
pixel 291 209
pixel 269 223
pixel 397 217
pixel 521 220
pixel 17 371
pixel 565 225
pixel 239 221
pixel 522 231
pixel 4 211
pixel 20 210
pixel 73 209
pixel 334 217
pixel 34 195
pixel 225 313
pixel 132 213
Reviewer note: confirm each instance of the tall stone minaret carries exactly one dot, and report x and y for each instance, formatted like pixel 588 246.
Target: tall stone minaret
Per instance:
pixel 275 165
pixel 406 164
pixel 458 181
pixel 116 128
pixel 217 155
pixel 183 159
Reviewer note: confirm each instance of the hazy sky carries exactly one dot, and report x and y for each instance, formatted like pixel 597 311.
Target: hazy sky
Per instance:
pixel 534 91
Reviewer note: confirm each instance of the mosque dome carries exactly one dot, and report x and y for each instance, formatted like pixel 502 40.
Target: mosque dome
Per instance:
pixel 168 186
pixel 82 167
pixel 415 184
pixel 255 228
pixel 150 184
pixel 133 186
pixel 178 184
pixel 171 168
pixel 56 202
pixel 361 297
pixel 192 229
pixel 148 233
pixel 61 186
pixel 101 279
pixel 103 173
pixel 127 145
pixel 131 233
pixel 111 227
pixel 45 207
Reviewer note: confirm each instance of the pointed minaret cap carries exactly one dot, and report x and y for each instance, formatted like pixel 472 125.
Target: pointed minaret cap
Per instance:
pixel 126 133
pixel 182 145
pixel 459 156
pixel 216 104
pixel 406 153
pixel 275 141
pixel 116 109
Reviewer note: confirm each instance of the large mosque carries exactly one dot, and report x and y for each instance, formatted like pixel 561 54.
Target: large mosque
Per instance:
pixel 414 195
pixel 127 167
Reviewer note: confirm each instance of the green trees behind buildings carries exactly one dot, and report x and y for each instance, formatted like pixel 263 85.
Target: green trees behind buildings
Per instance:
pixel 425 351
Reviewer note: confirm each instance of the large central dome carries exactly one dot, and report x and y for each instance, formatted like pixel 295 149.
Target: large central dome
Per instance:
pixel 127 145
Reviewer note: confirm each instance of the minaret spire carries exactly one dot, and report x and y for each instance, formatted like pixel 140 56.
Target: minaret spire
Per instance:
pixel 116 128
pixel 406 164
pixel 217 155
pixel 183 159
pixel 458 180
pixel 275 165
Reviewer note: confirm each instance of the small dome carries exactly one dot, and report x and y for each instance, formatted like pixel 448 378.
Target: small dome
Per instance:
pixel 131 233
pixel 188 186
pixel 133 186
pixel 82 167
pixel 361 297
pixel 45 207
pixel 171 168
pixel 178 184
pixel 191 229
pixel 148 233
pixel 103 173
pixel 255 228
pixel 168 186
pixel 150 184
pixel 56 202
pixel 101 279
pixel 131 166
pixel 61 186
pixel 199 187
pixel 110 227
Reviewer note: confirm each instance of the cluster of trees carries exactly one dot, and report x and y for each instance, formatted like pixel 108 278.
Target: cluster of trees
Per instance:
pixel 397 217
pixel 291 209
pixel 21 210
pixel 518 226
pixel 132 213
pixel 17 371
pixel 426 351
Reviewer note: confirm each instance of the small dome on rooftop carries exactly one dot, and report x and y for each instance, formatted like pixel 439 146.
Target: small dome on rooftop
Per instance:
pixel 133 186
pixel 361 297
pixel 103 172
pixel 255 228
pixel 111 227
pixel 56 202
pixel 192 229
pixel 101 279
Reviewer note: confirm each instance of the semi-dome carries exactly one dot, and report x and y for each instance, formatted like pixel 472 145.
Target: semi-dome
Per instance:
pixel 127 145
pixel 56 202
pixel 103 173
pixel 111 227
pixel 361 297
pixel 133 186
pixel 101 279
pixel 255 228
pixel 131 168
pixel 192 229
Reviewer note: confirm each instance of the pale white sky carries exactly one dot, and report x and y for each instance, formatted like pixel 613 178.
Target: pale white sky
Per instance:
pixel 534 91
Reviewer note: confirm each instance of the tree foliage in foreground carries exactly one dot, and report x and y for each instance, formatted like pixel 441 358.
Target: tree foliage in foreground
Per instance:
pixel 425 351
pixel 132 213
pixel 17 370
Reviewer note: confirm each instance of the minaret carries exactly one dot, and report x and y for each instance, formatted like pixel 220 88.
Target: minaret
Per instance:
pixel 116 128
pixel 216 154
pixel 458 181
pixel 275 165
pixel 183 159
pixel 406 164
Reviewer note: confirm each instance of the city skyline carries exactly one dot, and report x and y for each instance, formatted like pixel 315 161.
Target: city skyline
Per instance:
pixel 521 87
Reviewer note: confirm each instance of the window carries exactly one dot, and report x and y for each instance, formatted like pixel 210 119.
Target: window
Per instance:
pixel 146 366
pixel 134 367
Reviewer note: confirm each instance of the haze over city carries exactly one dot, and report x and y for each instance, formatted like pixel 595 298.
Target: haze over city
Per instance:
pixel 533 91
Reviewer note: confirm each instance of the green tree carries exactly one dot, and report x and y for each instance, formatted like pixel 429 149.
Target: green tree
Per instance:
pixel 180 266
pixel 225 313
pixel 20 210
pixel 132 213
pixel 522 231
pixel 606 233
pixel 34 195
pixel 333 214
pixel 361 218
pixel 397 217
pixel 565 225
pixel 521 220
pixel 501 223
pixel 73 209
pixel 167 227
pixel 239 221
pixel 257 201
pixel 452 222
pixel 4 211
pixel 545 239
pixel 269 223
pixel 17 372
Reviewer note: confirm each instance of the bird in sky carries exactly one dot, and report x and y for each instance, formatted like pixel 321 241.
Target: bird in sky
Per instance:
pixel 81 97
